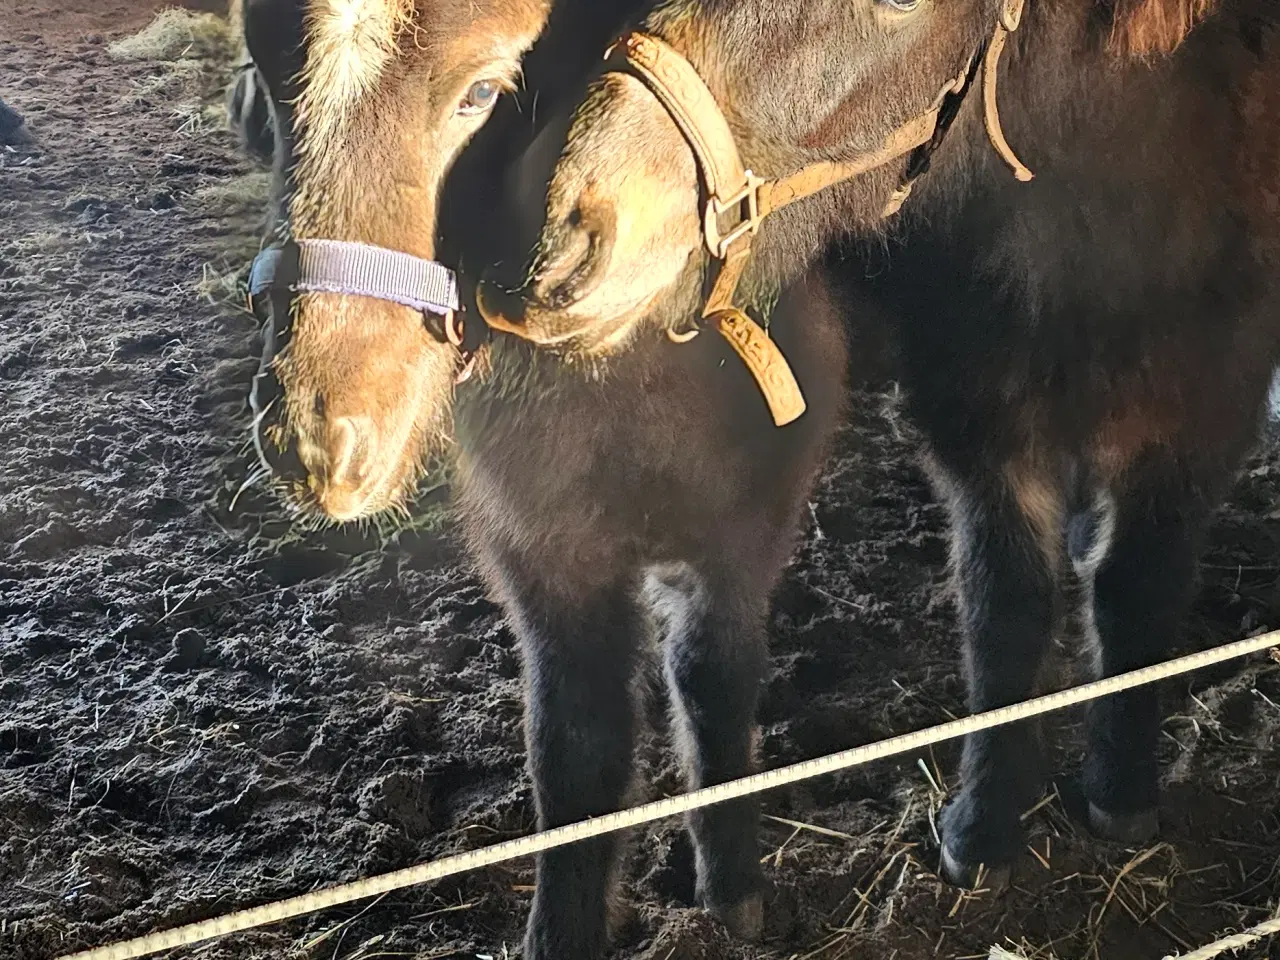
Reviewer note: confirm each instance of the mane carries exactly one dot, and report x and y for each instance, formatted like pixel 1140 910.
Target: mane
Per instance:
pixel 1148 28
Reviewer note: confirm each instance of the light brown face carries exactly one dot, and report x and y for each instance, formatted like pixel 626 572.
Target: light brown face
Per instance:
pixel 622 224
pixel 797 83
pixel 392 92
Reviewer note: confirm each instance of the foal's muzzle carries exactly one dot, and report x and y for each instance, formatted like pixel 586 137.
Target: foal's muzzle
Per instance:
pixel 281 272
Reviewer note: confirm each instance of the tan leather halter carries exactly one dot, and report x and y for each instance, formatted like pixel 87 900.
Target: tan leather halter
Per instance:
pixel 733 190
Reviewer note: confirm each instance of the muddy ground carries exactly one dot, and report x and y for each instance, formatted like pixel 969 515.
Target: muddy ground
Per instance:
pixel 202 708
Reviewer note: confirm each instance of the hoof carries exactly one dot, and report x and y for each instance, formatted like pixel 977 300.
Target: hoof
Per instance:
pixel 540 945
pixel 13 129
pixel 1124 827
pixel 974 876
pixel 745 919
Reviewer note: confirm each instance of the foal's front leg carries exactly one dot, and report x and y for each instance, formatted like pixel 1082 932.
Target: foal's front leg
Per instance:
pixel 716 658
pixel 1006 531
pixel 1142 591
pixel 580 660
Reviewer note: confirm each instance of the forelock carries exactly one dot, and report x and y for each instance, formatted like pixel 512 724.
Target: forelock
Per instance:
pixel 350 43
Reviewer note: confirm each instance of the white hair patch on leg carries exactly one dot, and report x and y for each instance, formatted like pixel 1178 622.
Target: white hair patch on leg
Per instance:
pixel 1089 534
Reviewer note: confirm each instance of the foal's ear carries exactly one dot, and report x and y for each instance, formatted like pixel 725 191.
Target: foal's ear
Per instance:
pixel 1146 28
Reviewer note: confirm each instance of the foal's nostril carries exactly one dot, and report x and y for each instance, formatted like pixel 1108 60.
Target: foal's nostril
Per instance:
pixel 351 449
pixel 343 467
pixel 577 257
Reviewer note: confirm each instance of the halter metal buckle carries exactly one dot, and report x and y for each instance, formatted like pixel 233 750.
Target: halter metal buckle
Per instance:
pixel 745 204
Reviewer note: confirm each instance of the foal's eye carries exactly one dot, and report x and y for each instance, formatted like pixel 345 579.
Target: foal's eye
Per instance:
pixel 480 97
pixel 901 6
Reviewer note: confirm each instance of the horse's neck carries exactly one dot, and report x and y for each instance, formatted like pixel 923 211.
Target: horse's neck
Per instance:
pixel 1104 130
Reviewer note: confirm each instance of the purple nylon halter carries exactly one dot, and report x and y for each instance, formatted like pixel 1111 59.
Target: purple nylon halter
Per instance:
pixel 358 269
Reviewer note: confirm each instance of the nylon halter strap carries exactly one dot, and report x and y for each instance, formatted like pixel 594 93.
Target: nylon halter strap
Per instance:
pixel 732 190
pixel 357 269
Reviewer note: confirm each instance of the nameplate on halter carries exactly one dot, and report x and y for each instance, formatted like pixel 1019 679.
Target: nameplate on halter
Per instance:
pixel 765 361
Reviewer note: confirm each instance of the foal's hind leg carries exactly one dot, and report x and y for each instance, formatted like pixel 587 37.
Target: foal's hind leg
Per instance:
pixel 249 113
pixel 580 659
pixel 1142 590
pixel 268 77
pixel 715 661
pixel 1005 540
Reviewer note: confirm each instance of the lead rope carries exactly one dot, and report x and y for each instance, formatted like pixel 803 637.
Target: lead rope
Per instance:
pixel 661 809
pixel 1237 941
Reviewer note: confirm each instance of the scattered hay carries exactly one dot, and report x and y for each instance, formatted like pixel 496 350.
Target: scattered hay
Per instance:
pixel 176 35
pixel 240 199
pixel 196 119
pixel 188 54
pixel 1023 950
pixel 235 197
pixel 1141 890
pixel 216 285
pixel 38 242
pixel 173 79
